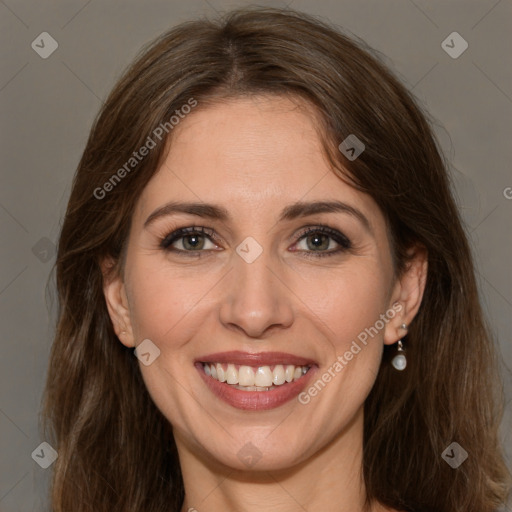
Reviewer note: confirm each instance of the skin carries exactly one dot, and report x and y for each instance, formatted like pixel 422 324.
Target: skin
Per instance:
pixel 254 156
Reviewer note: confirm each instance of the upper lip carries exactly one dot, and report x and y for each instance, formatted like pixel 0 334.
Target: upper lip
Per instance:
pixel 255 359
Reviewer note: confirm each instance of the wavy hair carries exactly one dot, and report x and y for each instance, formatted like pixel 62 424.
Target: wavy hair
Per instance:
pixel 116 449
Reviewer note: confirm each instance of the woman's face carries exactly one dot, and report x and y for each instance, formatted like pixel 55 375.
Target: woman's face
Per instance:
pixel 254 283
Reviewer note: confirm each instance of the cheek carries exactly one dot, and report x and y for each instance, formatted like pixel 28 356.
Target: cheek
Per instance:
pixel 349 301
pixel 163 300
pixel 167 307
pixel 351 308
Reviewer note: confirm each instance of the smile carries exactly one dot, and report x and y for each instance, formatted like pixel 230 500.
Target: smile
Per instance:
pixel 255 381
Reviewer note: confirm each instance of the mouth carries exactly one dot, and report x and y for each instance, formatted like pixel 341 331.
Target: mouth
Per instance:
pixel 255 381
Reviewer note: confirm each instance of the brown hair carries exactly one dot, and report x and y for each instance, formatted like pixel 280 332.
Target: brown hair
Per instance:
pixel 116 449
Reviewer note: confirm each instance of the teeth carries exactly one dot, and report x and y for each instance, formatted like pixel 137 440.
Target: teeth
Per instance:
pixel 263 377
pixel 278 376
pixel 231 374
pixel 249 378
pixel 220 373
pixel 245 376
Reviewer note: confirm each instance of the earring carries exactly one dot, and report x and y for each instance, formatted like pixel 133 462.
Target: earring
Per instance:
pixel 399 362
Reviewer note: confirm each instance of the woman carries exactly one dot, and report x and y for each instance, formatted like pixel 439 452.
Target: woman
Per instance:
pixel 263 214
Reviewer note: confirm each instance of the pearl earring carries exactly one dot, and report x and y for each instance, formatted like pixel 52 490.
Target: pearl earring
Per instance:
pixel 399 362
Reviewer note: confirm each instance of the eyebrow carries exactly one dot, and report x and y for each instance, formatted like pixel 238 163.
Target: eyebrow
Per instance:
pixel 290 212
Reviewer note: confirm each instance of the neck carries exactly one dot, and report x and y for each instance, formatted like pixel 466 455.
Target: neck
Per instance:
pixel 331 479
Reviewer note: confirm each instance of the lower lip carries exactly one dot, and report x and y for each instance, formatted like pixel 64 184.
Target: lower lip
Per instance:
pixel 256 400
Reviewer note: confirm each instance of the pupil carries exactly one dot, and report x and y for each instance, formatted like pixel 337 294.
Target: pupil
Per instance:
pixel 195 241
pixel 317 243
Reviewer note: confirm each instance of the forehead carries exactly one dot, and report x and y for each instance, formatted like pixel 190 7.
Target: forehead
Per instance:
pixel 253 155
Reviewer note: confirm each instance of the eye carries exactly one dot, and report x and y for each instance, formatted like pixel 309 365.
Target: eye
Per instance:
pixel 191 239
pixel 318 239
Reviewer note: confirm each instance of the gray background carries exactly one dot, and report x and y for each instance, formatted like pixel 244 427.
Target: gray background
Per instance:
pixel 47 106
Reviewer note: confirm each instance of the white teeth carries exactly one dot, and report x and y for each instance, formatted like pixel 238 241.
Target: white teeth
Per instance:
pixel 245 376
pixel 231 374
pixel 250 378
pixel 263 377
pixel 220 373
pixel 278 376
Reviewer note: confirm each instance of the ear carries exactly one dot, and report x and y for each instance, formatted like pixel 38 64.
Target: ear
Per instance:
pixel 408 293
pixel 116 298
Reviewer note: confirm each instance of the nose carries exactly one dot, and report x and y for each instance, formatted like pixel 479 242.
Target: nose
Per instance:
pixel 255 299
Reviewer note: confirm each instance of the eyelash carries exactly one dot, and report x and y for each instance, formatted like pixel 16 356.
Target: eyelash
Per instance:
pixel 344 243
